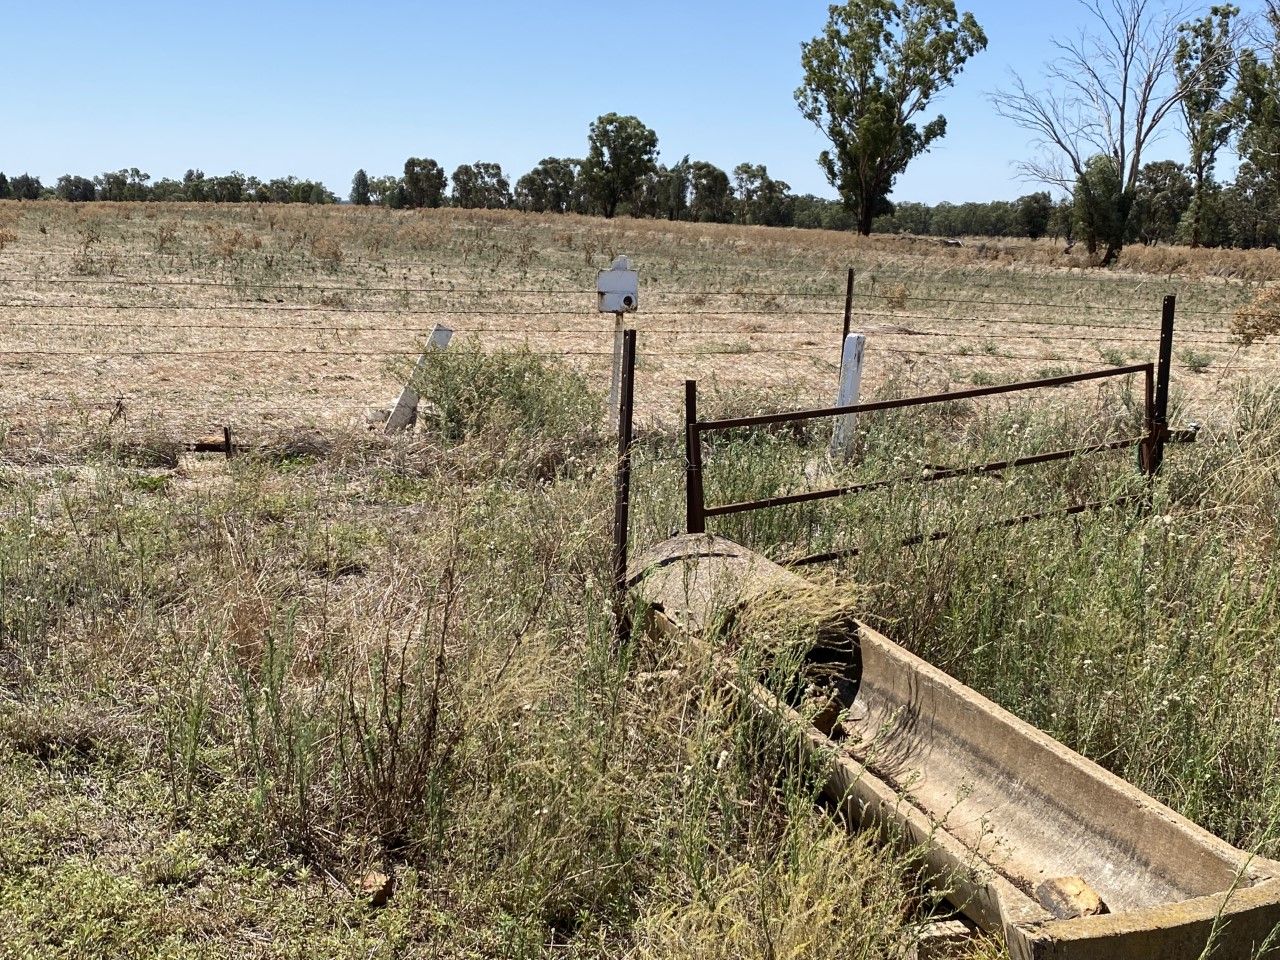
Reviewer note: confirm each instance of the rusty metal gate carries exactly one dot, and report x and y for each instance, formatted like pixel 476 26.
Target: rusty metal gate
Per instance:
pixel 1150 444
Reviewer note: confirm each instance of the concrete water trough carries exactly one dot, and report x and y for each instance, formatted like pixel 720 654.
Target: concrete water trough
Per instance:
pixel 1028 839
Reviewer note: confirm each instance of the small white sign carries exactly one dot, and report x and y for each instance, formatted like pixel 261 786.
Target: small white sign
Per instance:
pixel 619 288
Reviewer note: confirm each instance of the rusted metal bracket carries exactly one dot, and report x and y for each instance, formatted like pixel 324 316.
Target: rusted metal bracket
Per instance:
pixel 938 535
pixel 697 511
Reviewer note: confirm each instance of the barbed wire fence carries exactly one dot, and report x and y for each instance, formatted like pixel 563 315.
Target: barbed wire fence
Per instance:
pixel 799 322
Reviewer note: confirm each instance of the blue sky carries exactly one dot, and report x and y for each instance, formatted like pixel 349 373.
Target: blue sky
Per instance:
pixel 319 89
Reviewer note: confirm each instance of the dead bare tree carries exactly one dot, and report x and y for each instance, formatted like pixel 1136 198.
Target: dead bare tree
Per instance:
pixel 1107 94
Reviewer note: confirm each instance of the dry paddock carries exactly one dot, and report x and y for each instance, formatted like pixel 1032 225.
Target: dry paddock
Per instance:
pixel 188 317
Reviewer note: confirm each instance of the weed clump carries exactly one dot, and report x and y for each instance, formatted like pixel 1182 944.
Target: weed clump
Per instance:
pixel 1258 319
pixel 328 251
pixel 536 416
pixel 60 732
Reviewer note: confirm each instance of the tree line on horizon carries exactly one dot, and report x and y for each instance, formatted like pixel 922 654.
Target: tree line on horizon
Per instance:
pixel 1244 213
pixel 633 185
pixel 132 184
pixel 619 175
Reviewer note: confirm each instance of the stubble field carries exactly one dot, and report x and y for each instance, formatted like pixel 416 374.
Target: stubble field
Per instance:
pixel 193 316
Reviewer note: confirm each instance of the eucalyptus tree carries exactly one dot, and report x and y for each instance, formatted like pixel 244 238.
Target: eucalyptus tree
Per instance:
pixel 621 152
pixel 1106 94
pixel 385 190
pixel 711 194
pixel 1257 104
pixel 26 187
pixel 1034 212
pixel 360 189
pixel 424 183
pixel 868 79
pixel 1165 196
pixel 75 189
pixel 481 186
pixel 673 186
pixel 762 200
pixel 1205 60
pixel 549 187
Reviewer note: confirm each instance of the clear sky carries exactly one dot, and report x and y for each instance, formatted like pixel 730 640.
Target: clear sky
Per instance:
pixel 318 89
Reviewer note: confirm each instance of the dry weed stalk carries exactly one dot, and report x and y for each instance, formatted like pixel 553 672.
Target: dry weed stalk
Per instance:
pixel 166 233
pixel 895 296
pixel 90 232
pixel 327 250
pixel 1258 319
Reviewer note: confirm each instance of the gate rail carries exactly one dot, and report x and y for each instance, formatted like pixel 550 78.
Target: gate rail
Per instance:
pixel 1150 444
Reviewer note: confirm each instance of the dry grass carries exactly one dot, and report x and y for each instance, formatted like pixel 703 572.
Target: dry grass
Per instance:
pixel 231 690
pixel 323 298
pixel 1258 319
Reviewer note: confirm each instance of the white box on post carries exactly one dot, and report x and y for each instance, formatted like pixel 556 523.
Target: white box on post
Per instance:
pixel 619 291
pixel 619 288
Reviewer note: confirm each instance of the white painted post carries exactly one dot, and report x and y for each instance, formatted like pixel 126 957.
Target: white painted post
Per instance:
pixel 855 345
pixel 615 383
pixel 405 412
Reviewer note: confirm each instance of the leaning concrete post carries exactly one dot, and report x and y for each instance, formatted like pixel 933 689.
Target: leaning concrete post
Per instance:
pixel 405 412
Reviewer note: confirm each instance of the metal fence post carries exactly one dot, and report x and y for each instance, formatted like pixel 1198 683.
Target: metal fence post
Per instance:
pixel 622 487
pixel 695 521
pixel 848 315
pixel 1145 451
pixel 1160 412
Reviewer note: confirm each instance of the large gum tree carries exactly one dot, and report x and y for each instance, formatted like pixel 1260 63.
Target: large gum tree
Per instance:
pixel 621 152
pixel 869 77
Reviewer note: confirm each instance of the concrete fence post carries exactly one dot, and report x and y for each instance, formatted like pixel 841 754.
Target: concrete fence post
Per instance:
pixel 855 345
pixel 405 412
pixel 615 381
